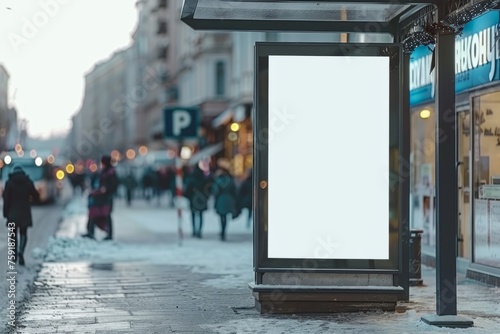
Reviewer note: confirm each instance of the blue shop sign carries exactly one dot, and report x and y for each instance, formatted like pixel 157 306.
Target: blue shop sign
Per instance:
pixel 477 59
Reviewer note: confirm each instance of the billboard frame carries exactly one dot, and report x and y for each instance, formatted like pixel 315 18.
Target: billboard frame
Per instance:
pixel 262 262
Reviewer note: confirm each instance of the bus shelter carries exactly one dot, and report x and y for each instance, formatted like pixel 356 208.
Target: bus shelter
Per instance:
pixel 322 253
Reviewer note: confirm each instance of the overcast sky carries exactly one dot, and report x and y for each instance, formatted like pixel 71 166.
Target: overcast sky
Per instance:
pixel 48 45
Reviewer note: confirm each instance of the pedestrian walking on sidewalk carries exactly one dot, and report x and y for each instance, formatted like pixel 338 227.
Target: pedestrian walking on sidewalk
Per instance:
pixel 101 200
pixel 224 190
pixel 148 183
pixel 18 195
pixel 130 184
pixel 197 191
pixel 245 197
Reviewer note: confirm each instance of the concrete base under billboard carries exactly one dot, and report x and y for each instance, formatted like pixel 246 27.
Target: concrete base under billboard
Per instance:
pixel 324 299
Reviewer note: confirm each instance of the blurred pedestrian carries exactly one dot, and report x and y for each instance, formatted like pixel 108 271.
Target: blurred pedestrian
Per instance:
pixel 148 183
pixel 245 197
pixel 77 182
pixel 163 182
pixel 224 190
pixel 101 200
pixel 18 195
pixel 130 184
pixel 170 185
pixel 197 191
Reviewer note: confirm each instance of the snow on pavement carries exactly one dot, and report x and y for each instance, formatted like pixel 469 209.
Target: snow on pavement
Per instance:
pixel 232 262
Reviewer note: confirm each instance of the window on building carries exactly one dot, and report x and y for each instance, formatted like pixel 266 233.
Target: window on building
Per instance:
pixel 162 52
pixel 162 27
pixel 162 3
pixel 220 78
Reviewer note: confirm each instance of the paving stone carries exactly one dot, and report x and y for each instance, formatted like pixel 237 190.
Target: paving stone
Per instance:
pixel 131 298
pixel 36 330
pixel 97 326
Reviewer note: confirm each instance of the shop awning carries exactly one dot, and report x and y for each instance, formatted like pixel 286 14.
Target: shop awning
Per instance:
pixel 223 118
pixel 205 153
pixel 235 113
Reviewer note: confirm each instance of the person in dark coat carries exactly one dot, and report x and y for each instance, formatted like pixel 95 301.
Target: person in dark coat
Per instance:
pixel 77 182
pixel 245 197
pixel 197 191
pixel 148 183
pixel 130 184
pixel 18 195
pixel 224 190
pixel 108 185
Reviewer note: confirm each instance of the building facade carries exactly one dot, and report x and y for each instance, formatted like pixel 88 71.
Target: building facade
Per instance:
pixel 105 121
pixel 477 87
pixel 151 44
pixel 4 107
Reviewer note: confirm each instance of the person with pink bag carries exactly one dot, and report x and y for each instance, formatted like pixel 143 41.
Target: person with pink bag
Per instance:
pixel 100 200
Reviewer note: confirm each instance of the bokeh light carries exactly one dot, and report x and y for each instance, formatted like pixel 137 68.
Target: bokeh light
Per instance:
pixel 232 136
pixel 143 150
pixel 60 174
pixel 70 168
pixel 186 152
pixel 79 168
pixel 130 154
pixel 235 127
pixel 425 113
pixel 115 154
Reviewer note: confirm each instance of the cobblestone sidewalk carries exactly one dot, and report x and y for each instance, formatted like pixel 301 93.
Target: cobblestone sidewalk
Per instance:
pixel 125 298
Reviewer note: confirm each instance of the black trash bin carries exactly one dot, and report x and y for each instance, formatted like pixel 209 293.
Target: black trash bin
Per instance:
pixel 416 257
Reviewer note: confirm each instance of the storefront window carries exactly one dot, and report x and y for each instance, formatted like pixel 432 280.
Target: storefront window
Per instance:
pixel 463 176
pixel 486 179
pixel 422 186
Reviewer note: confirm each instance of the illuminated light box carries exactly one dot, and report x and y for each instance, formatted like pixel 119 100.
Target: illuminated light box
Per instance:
pixel 323 127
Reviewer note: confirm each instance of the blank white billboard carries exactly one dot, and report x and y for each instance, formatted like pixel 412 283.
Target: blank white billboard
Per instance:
pixel 328 157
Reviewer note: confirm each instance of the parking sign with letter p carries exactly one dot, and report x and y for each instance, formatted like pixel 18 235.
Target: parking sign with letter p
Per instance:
pixel 181 122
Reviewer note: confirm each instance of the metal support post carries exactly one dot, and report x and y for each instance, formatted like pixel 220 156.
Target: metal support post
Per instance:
pixel 178 193
pixel 446 188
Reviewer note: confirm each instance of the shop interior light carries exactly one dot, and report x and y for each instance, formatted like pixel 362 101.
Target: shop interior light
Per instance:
pixel 186 152
pixel 235 127
pixel 7 159
pixel 425 113
pixel 38 161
